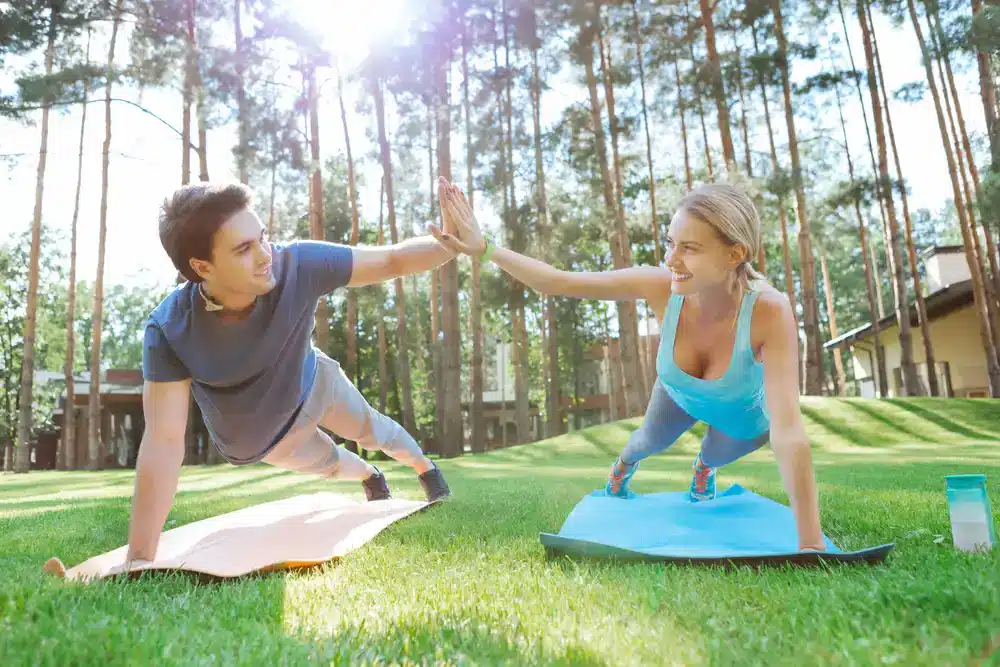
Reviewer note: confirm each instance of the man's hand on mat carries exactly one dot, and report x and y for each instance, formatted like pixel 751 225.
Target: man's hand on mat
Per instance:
pixel 466 236
pixel 127 565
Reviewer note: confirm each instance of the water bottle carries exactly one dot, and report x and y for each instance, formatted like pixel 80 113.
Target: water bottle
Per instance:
pixel 969 507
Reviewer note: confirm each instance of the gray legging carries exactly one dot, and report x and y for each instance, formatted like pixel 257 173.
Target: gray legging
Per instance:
pixel 665 421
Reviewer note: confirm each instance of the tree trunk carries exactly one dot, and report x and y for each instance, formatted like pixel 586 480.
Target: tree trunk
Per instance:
pixel 970 206
pixel 978 288
pixel 69 412
pixel 838 361
pixel 743 114
pixel 988 93
pixel 689 39
pixel 810 309
pixel 782 216
pixel 992 285
pixel 352 192
pixel 758 199
pixel 911 380
pixel 520 356
pixel 477 409
pixel 202 135
pixel 718 88
pixel 609 206
pixel 435 379
pixel 25 402
pixel 243 121
pixel 613 357
pixel 403 357
pixel 187 95
pixel 923 321
pixel 704 136
pixel 684 135
pixel 639 58
pixel 871 155
pixel 383 345
pixel 636 391
pixel 505 220
pixel 882 385
pixel 96 447
pixel 270 215
pixel 451 343
pixel 317 229
pixel 631 400
pixel 553 399
pixel 420 364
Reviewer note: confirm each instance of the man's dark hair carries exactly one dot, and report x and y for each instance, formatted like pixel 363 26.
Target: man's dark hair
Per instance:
pixel 190 217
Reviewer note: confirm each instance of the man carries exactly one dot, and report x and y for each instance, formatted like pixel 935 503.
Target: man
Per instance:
pixel 237 336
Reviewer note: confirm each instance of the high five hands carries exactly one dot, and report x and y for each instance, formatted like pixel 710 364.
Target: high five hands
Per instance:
pixel 461 232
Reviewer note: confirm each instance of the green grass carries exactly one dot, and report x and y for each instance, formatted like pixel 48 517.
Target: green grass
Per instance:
pixel 467 583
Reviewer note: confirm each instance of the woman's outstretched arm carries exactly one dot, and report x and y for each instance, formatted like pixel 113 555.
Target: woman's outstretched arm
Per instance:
pixel 650 283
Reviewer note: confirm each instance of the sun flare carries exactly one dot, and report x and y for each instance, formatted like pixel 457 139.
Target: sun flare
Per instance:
pixel 350 30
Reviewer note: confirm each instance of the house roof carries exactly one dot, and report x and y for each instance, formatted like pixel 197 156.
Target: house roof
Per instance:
pixel 942 250
pixel 942 302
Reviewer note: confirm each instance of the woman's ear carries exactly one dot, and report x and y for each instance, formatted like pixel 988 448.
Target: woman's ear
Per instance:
pixel 738 254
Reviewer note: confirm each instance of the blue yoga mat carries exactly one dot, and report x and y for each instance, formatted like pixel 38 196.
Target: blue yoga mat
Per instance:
pixel 737 525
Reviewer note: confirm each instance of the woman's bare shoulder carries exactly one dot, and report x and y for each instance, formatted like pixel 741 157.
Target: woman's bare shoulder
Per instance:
pixel 772 312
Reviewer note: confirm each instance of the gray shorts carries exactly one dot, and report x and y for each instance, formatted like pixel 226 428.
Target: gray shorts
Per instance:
pixel 336 404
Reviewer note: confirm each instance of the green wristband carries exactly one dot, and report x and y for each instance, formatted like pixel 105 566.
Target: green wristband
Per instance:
pixel 488 253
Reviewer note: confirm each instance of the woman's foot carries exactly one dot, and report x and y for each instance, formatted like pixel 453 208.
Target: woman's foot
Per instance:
pixel 703 483
pixel 621 474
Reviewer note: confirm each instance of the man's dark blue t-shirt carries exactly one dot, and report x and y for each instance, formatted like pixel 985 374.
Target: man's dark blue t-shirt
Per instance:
pixel 249 377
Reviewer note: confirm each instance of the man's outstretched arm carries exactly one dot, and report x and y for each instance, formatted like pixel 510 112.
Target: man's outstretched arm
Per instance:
pixel 161 453
pixel 379 264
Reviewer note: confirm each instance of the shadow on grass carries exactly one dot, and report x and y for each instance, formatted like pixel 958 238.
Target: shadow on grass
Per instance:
pixel 839 427
pixel 946 423
pixel 603 445
pixel 866 409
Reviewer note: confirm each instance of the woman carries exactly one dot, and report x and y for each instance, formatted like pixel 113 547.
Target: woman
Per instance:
pixel 728 346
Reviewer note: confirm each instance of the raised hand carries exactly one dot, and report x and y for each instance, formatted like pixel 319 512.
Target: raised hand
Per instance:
pixel 461 231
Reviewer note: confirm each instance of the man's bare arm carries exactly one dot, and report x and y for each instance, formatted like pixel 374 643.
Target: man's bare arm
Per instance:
pixel 161 453
pixel 379 264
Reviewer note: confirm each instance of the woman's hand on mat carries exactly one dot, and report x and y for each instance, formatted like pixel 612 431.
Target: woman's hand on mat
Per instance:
pixel 461 231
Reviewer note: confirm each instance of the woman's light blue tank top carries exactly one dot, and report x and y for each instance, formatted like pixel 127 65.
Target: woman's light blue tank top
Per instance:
pixel 735 403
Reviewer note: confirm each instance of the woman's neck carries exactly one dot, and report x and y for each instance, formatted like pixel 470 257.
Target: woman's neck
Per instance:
pixel 718 302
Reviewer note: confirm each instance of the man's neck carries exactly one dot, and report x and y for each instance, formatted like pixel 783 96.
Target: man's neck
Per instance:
pixel 230 303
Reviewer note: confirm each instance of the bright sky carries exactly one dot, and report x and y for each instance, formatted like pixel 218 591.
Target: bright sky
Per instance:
pixel 145 165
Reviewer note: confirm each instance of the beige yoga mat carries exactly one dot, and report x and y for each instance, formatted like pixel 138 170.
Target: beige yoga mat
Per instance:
pixel 295 532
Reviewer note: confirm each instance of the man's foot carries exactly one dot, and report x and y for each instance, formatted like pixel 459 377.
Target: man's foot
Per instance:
pixel 434 485
pixel 621 474
pixel 703 483
pixel 375 486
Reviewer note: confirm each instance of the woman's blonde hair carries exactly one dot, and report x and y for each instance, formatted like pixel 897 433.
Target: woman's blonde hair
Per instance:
pixel 730 212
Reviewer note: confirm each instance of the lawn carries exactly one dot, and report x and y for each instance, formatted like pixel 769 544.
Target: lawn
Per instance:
pixel 468 583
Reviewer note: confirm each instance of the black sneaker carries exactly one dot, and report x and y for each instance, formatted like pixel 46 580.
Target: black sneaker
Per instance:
pixel 375 486
pixel 434 485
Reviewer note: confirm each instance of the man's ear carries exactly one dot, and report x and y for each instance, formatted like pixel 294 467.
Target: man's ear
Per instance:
pixel 200 266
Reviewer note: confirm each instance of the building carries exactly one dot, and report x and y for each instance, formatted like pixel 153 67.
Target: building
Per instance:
pixel 592 402
pixel 122 424
pixel 959 354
